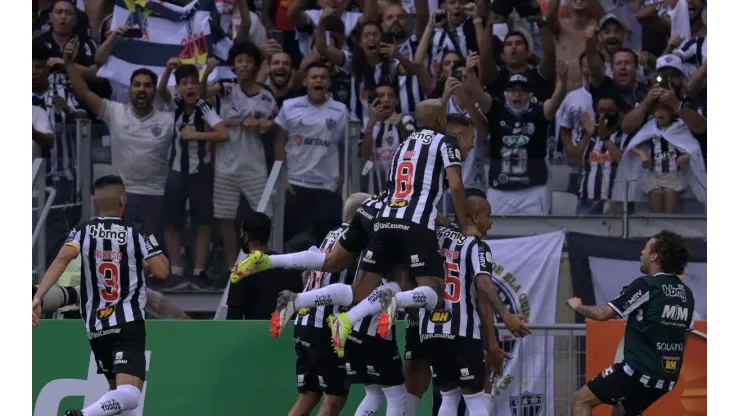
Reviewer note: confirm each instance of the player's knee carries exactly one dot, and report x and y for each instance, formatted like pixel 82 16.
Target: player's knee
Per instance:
pixel 584 398
pixel 129 396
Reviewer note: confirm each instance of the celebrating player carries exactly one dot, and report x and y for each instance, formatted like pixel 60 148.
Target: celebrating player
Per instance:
pixel 404 229
pixel 318 370
pixel 113 294
pixel 659 310
pixel 453 338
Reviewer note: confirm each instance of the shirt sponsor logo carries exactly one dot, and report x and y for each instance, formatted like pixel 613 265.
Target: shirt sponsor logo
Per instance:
pixel 106 313
pixel 455 236
pixel 312 141
pixel 669 346
pixel 72 237
pixel 303 311
pixel 119 360
pixel 398 204
pixel 409 154
pixel 390 226
pixel 371 371
pixel 632 300
pixel 678 291
pixel 115 233
pixel 426 136
pixel 675 316
pixel 365 214
pixel 670 364
pixel 102 333
pixel 450 254
pixel 369 254
pixel 441 316
pixel 415 261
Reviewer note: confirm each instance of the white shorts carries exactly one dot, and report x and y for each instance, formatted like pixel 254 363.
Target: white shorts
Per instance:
pixel 657 180
pixel 530 201
pixel 228 187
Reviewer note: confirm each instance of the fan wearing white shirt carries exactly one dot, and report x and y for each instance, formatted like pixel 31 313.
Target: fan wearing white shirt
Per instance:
pixel 311 130
pixel 248 109
pixel 140 140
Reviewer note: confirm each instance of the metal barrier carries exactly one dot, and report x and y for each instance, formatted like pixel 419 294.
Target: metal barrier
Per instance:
pixel 42 207
pixel 565 345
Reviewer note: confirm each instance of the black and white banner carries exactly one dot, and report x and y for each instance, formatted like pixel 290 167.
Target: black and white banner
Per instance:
pixel 602 266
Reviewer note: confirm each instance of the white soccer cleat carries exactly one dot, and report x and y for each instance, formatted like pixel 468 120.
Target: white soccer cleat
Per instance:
pixel 283 311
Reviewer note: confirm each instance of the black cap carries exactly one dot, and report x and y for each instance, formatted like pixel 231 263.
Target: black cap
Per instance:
pixel 518 80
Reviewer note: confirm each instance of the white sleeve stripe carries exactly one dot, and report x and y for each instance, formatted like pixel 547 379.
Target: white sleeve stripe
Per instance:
pixel 636 304
pixel 152 254
pixel 611 305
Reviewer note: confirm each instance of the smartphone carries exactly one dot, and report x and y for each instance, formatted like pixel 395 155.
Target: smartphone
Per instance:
pixel 276 34
pixel 663 82
pixel 133 33
pixel 439 17
pixel 387 37
pixel 371 97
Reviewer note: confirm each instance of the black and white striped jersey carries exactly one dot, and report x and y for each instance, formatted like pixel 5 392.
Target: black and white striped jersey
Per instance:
pixel 112 288
pixel 599 169
pixel 191 156
pixel 465 258
pixel 417 177
pixel 664 155
pixel 316 317
pixel 410 91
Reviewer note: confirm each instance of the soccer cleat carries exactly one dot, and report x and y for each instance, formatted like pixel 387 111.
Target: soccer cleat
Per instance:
pixel 388 315
pixel 283 311
pixel 73 412
pixel 341 327
pixel 256 262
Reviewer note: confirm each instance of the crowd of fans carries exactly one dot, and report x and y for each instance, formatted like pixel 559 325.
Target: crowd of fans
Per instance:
pixel 575 102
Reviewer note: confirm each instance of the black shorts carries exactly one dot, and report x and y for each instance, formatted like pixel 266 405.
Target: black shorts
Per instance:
pixel 356 238
pixel 413 344
pixel 455 362
pixel 526 9
pixel 195 187
pixel 613 386
pixel 373 360
pixel 406 244
pixel 317 367
pixel 120 349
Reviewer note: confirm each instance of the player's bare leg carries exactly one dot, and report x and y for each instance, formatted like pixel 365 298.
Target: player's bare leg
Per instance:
pixel 418 377
pixel 618 410
pixel 304 404
pixel 583 402
pixel 331 405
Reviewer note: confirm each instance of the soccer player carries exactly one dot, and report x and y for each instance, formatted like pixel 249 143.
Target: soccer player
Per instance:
pixel 113 294
pixel 404 228
pixel 454 338
pixel 318 370
pixel 659 309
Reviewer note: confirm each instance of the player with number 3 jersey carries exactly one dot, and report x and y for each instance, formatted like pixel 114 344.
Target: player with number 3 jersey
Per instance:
pixel 112 294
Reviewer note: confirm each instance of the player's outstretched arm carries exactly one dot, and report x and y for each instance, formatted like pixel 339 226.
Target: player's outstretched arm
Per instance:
pixel 597 312
pixel 159 265
pixel 457 192
pixel 487 292
pixel 493 353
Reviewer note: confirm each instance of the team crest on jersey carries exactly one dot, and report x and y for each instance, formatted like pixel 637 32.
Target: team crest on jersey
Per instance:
pixel 398 204
pixel 527 404
pixel 516 140
pixel 106 313
pixel 441 316
pixel 156 130
pixel 330 123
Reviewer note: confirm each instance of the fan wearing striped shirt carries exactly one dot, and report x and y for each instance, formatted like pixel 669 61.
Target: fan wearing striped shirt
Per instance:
pixel 197 128
pixel 598 151
pixel 386 129
pixel 307 20
pixel 113 294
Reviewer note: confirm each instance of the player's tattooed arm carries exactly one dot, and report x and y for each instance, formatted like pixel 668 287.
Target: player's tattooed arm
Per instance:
pixel 597 312
pixel 486 285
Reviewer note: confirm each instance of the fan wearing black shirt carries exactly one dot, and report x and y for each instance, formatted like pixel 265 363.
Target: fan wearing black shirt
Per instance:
pixel 254 298
pixel 282 80
pixel 518 173
pixel 515 53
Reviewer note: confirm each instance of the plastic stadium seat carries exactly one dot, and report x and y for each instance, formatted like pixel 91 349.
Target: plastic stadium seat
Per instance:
pixel 563 203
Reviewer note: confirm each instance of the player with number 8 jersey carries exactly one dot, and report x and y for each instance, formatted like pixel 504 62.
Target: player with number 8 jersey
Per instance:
pixel 112 294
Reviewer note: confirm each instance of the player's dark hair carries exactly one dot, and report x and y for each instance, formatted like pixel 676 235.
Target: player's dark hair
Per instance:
pixel 519 34
pixel 186 71
pixel 316 64
pixel 38 51
pixel 458 119
pixel 672 250
pixel 144 71
pixel 475 192
pixel 635 58
pixel 246 48
pixel 257 226
pixel 106 181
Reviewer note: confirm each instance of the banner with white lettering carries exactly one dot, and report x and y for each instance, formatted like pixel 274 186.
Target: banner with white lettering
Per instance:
pixel 602 266
pixel 526 272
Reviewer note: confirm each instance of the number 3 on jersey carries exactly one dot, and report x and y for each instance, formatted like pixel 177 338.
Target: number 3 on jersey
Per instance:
pixel 404 180
pixel 109 272
pixel 453 286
